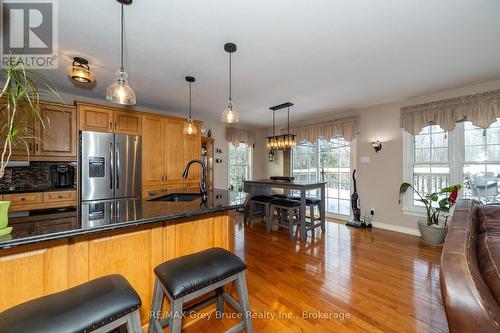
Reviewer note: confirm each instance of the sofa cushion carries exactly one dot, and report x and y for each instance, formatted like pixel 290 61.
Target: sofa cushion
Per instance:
pixel 489 248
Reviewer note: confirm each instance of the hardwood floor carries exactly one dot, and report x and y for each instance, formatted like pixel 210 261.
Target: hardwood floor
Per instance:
pixel 364 280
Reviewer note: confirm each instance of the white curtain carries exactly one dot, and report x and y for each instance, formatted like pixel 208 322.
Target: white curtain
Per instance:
pixel 481 109
pixel 347 128
pixel 237 136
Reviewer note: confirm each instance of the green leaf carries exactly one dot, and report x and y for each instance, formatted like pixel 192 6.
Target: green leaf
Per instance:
pixel 443 202
pixel 404 187
pixel 450 189
pixel 434 197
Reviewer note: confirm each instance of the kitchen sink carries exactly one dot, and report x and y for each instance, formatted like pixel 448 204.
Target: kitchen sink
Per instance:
pixel 178 197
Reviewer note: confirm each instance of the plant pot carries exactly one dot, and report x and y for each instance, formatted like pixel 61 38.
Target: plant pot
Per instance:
pixel 433 235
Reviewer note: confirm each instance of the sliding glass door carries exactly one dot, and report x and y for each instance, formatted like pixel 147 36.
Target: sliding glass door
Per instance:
pixel 329 161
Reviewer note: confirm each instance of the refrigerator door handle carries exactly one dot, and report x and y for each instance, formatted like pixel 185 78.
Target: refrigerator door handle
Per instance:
pixel 117 148
pixel 111 165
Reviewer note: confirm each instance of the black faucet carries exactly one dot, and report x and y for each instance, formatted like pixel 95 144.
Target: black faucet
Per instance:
pixel 203 185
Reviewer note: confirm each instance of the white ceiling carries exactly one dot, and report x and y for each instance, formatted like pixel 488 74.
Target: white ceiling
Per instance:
pixel 321 55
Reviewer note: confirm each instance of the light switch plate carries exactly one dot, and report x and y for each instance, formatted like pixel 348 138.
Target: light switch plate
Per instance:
pixel 365 159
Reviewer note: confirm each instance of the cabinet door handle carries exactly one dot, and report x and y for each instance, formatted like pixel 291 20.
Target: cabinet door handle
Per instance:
pixel 115 126
pixel 36 146
pixel 30 146
pixel 60 196
pixel 23 199
pixel 110 125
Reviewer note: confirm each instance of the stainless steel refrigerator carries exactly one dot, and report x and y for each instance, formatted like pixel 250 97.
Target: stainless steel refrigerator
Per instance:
pixel 110 166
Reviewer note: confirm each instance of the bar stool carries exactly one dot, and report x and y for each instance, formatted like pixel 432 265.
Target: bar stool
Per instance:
pixel 185 278
pixel 99 306
pixel 289 212
pixel 311 203
pixel 262 200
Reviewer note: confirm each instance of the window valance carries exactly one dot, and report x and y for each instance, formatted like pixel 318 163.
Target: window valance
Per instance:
pixel 237 136
pixel 481 109
pixel 347 128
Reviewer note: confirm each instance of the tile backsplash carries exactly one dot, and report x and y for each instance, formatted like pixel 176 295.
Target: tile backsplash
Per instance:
pixel 33 178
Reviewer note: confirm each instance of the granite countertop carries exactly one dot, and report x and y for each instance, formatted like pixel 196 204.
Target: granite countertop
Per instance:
pixel 98 216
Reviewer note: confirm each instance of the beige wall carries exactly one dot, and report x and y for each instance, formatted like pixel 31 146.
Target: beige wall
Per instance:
pixel 379 180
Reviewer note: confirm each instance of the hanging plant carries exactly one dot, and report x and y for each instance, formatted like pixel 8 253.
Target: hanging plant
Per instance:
pixel 19 101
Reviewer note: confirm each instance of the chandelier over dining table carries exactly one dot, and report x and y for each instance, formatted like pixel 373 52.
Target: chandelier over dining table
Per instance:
pixel 282 141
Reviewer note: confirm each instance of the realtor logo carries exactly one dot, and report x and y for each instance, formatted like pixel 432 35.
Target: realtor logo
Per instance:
pixel 29 33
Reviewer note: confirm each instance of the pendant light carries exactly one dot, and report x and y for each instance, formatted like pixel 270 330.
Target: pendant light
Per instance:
pixel 189 127
pixel 285 141
pixel 230 115
pixel 120 92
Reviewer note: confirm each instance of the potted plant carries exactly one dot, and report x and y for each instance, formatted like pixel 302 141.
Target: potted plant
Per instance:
pixel 435 227
pixel 19 100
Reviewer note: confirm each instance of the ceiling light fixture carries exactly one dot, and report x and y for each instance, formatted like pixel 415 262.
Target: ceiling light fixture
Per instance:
pixel 120 92
pixel 285 141
pixel 189 127
pixel 80 71
pixel 230 115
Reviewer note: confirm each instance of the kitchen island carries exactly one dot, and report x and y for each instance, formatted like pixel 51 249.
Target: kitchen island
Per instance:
pixel 49 251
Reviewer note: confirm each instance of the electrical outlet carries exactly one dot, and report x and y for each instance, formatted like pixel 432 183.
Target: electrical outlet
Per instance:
pixel 372 210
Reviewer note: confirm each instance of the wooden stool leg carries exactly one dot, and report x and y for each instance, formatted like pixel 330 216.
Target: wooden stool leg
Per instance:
pixel 175 316
pixel 220 300
pixel 241 287
pixel 156 308
pixel 250 214
pixel 269 218
pixel 134 322
pixel 290 224
pixel 311 211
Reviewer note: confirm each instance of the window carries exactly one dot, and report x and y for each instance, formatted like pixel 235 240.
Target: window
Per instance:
pixel 431 168
pixel 329 161
pixel 239 168
pixel 467 155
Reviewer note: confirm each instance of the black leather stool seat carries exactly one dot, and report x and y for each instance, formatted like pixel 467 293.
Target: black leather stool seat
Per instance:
pixel 83 308
pixel 262 198
pixel 309 200
pixel 280 196
pixel 285 203
pixel 184 275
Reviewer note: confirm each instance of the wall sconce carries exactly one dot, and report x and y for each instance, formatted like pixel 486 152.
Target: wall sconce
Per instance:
pixel 80 71
pixel 377 145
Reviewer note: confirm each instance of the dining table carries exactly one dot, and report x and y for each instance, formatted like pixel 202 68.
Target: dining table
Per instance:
pixel 265 186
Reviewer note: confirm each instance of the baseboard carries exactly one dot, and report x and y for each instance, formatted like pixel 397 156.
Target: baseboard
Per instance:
pixel 397 228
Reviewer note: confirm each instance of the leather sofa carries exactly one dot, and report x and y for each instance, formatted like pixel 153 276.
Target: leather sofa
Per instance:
pixel 470 263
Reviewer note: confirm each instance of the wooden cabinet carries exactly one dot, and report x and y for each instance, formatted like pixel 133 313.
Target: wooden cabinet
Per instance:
pixel 55 139
pixel 175 151
pixel 165 153
pixel 153 151
pixel 100 118
pixel 40 200
pixel 127 122
pixel 207 155
pixel 58 134
pixel 95 118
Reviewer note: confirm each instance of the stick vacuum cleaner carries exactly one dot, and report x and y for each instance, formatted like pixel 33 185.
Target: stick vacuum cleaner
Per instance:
pixel 356 212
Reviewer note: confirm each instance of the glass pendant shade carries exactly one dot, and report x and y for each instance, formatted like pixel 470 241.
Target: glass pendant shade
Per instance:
pixel 190 128
pixel 230 115
pixel 120 92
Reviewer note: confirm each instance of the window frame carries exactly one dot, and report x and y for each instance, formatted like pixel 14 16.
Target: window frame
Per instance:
pixel 456 160
pixel 249 166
